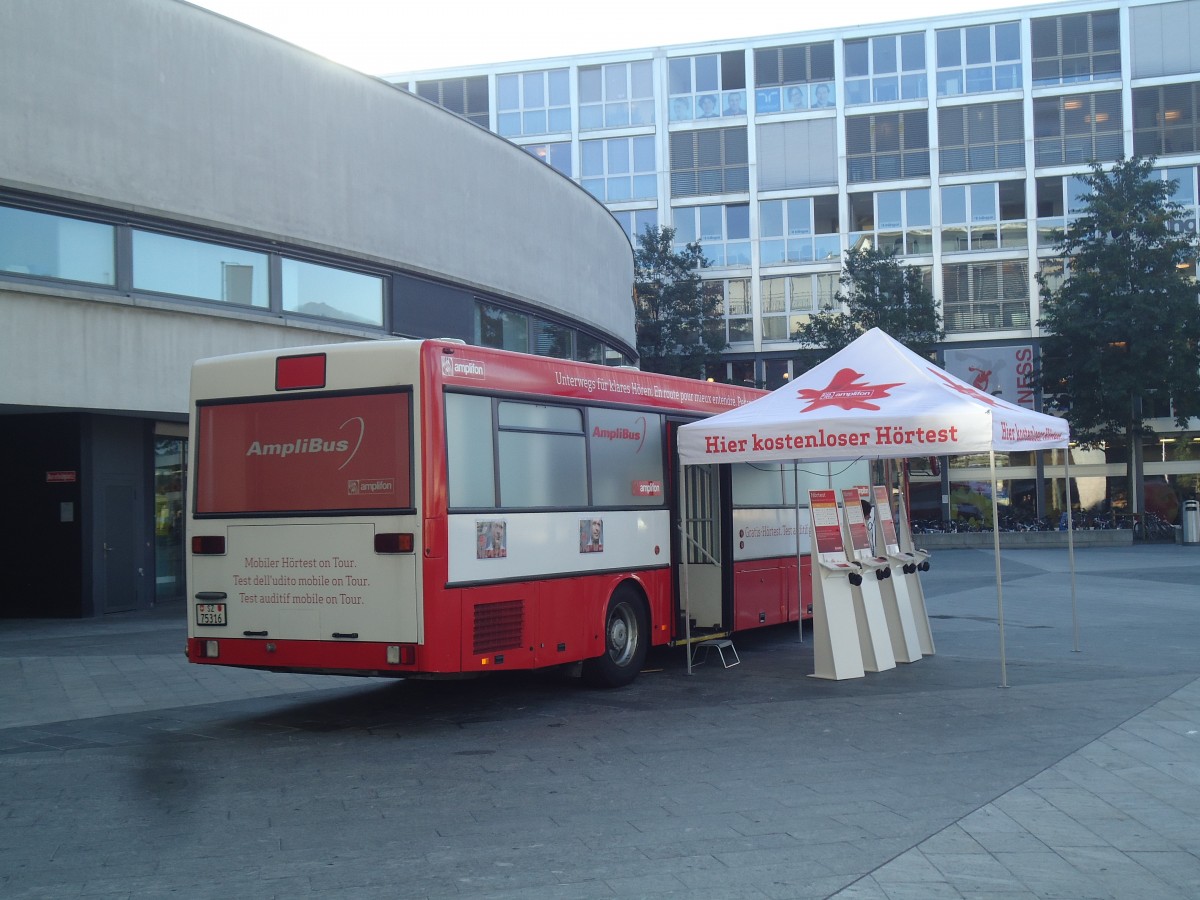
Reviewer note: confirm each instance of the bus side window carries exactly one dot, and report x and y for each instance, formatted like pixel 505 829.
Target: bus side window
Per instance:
pixel 469 453
pixel 627 457
pixel 542 456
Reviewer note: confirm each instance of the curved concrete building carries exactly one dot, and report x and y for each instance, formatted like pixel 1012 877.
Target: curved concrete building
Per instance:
pixel 175 185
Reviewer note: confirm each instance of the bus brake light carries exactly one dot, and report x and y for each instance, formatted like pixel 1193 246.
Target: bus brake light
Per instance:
pixel 394 542
pixel 208 545
pixel 293 373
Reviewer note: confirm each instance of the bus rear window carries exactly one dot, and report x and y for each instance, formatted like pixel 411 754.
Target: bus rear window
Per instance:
pixel 311 454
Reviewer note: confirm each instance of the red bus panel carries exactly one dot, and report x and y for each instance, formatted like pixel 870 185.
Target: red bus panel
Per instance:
pixel 305 454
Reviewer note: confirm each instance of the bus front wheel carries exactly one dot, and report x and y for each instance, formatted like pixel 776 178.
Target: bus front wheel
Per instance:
pixel 626 638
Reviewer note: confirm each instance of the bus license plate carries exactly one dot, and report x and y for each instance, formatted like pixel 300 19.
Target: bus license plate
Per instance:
pixel 210 613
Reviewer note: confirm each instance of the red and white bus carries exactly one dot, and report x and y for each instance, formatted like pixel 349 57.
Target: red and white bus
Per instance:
pixel 428 508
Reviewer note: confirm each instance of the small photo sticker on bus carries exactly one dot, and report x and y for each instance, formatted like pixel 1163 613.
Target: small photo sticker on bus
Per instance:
pixel 591 535
pixel 491 539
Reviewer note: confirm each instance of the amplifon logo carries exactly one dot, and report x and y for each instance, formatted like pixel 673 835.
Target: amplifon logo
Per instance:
pixel 315 444
pixel 359 486
pixel 465 368
pixel 846 391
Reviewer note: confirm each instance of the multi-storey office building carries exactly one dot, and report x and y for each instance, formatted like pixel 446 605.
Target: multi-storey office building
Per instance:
pixel 957 142
pixel 175 185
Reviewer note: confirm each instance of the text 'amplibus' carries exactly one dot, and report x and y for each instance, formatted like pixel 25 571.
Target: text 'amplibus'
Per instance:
pixel 882 436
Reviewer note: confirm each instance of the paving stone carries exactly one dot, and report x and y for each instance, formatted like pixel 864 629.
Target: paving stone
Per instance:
pixel 125 771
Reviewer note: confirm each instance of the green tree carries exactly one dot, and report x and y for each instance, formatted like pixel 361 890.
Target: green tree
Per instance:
pixel 875 291
pixel 1124 324
pixel 680 329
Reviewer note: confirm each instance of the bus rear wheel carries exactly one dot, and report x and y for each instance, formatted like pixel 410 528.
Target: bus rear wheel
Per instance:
pixel 626 639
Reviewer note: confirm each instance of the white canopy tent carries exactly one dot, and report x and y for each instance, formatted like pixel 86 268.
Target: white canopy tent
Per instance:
pixel 878 399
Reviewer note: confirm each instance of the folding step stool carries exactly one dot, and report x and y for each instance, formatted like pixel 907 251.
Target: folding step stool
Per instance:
pixel 718 644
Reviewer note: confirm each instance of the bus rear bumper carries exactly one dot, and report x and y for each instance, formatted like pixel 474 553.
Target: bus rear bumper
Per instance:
pixel 329 657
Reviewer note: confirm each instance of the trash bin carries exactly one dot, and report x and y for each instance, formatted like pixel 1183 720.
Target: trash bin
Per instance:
pixel 1191 521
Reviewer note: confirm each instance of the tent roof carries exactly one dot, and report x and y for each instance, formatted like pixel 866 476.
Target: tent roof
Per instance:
pixel 874 398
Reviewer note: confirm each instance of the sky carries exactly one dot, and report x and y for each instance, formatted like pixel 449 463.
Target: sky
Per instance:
pixel 381 37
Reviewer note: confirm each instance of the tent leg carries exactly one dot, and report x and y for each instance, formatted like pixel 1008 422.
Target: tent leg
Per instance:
pixel 799 567
pixel 999 581
pixel 1071 547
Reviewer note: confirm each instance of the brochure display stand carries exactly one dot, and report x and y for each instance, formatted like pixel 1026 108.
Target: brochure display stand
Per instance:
pixel 912 577
pixel 902 624
pixel 836 651
pixel 874 640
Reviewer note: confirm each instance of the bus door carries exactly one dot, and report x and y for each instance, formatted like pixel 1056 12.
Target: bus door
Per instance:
pixel 700 550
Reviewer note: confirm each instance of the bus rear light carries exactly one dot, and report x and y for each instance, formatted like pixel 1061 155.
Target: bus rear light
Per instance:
pixel 394 542
pixel 208 545
pixel 208 649
pixel 401 655
pixel 293 373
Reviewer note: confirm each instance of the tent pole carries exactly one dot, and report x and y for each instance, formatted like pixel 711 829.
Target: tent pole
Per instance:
pixel 1071 547
pixel 999 583
pixel 799 568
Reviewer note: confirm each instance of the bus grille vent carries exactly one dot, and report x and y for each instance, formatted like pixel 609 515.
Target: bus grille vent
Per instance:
pixel 499 626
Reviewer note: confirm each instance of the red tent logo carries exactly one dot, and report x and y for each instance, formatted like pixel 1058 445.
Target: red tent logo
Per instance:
pixel 846 391
pixel 963 388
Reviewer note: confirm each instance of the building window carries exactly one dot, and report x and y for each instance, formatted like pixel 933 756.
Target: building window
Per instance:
pixel 589 349
pixel 556 156
pixel 616 95
pixel 887 146
pixel 45 246
pixel 1079 128
pixel 170 508
pixel 894 221
pixel 722 230
pixel 1165 119
pixel 1053 272
pixel 733 298
pixel 989 216
pixel 979 59
pixel 707 87
pixel 790 79
pixel 991 296
pixel 800 230
pixel 789 301
pixel 801 153
pixel 981 138
pixel 618 169
pixel 467 97
pixel 551 339
pixel 533 103
pixel 173 265
pixel 636 221
pixel 1080 47
pixel 502 328
pixel 329 293
pixel 1185 184
pixel 714 161
pixel 884 69
pixel 1060 201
